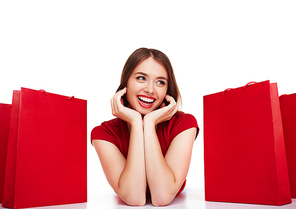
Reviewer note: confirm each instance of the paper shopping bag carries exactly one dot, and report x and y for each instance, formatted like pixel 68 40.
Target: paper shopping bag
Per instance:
pixel 46 154
pixel 244 150
pixel 5 110
pixel 288 109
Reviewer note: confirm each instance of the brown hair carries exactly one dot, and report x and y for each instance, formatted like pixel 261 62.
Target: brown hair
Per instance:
pixel 139 56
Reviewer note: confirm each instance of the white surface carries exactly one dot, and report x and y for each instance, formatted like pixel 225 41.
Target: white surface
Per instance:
pixel 79 47
pixel 190 198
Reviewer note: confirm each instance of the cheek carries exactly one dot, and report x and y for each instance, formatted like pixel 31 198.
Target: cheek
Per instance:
pixel 162 94
pixel 130 91
pixel 128 94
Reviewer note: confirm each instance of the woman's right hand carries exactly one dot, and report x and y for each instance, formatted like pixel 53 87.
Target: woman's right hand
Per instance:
pixel 119 110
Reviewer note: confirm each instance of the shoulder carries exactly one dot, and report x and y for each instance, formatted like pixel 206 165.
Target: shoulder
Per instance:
pixel 114 131
pixel 180 122
pixel 106 128
pixel 181 114
pixel 183 119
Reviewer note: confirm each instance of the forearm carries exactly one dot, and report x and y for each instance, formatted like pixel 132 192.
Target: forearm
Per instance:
pixel 161 179
pixel 132 182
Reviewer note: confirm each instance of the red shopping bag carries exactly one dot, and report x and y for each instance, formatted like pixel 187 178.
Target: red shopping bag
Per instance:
pixel 46 154
pixel 244 150
pixel 288 109
pixel 5 110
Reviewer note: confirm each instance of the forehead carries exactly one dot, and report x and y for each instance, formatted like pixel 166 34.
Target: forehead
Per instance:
pixel 152 68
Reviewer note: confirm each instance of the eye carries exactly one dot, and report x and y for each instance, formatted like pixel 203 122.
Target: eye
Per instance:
pixel 160 82
pixel 141 78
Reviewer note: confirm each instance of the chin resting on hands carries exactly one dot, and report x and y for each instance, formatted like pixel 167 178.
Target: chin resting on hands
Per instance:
pixel 164 113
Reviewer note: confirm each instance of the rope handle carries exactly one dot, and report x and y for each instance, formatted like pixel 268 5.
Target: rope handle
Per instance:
pixel 43 91
pixel 283 95
pixel 226 90
pixel 248 84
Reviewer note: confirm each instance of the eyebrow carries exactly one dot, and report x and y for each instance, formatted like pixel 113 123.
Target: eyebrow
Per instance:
pixel 145 74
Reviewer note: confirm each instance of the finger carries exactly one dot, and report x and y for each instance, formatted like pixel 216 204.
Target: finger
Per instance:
pixel 170 99
pixel 116 100
pixel 120 93
pixel 175 110
pixel 117 96
pixel 172 105
pixel 114 106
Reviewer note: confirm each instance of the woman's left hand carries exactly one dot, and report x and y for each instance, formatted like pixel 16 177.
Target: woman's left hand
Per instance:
pixel 164 113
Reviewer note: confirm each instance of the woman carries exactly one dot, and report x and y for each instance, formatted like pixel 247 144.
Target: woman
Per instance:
pixel 146 150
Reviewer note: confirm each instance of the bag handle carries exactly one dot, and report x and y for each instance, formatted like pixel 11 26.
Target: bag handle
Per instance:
pixel 226 90
pixel 248 84
pixel 43 91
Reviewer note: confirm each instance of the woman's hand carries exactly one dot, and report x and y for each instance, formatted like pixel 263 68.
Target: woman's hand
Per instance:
pixel 119 110
pixel 164 113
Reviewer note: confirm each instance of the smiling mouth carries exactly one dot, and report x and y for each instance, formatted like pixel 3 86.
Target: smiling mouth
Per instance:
pixel 146 102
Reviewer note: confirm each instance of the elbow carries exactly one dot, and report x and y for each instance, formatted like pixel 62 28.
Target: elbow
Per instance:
pixel 161 200
pixel 135 200
pixel 132 195
pixel 161 203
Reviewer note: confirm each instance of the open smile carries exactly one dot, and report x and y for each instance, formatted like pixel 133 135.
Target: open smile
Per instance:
pixel 145 101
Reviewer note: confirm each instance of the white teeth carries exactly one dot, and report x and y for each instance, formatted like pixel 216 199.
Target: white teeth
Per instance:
pixel 145 99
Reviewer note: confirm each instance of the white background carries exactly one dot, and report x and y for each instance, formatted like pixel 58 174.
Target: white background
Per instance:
pixel 79 48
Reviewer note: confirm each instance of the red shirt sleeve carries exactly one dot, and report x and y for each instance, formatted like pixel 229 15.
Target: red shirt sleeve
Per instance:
pixel 103 132
pixel 114 131
pixel 182 122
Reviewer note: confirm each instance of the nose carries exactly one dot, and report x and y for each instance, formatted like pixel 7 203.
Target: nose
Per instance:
pixel 149 88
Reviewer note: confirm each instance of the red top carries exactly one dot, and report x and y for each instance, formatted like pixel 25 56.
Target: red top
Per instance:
pixel 116 132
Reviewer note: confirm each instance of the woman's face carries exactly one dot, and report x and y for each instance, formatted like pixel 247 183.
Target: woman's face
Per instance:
pixel 147 86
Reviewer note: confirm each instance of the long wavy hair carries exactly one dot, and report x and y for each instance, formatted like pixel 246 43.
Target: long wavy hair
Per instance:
pixel 139 56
